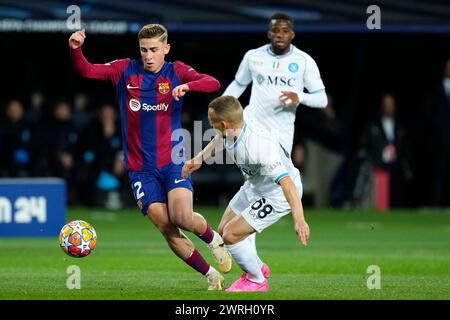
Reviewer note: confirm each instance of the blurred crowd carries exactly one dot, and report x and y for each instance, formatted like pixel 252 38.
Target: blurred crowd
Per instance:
pixel 81 142
pixel 67 139
pixel 413 155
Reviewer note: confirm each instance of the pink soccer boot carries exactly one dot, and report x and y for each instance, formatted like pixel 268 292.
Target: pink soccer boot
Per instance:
pixel 264 269
pixel 245 285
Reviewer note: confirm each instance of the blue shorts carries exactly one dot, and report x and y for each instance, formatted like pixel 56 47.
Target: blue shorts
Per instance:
pixel 153 186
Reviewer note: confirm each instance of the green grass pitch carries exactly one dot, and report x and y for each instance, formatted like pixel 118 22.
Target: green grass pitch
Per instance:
pixel 132 261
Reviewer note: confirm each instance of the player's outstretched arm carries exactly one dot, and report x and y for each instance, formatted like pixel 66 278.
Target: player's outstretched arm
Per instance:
pixel 292 197
pixel 193 81
pixel 316 96
pixel 108 71
pixel 195 163
pixel 316 99
pixel 234 89
pixel 241 80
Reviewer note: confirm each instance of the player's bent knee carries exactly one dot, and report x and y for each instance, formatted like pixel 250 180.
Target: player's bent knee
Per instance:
pixel 228 236
pixel 174 240
pixel 169 231
pixel 222 226
pixel 220 229
pixel 185 222
pixel 158 215
pixel 226 218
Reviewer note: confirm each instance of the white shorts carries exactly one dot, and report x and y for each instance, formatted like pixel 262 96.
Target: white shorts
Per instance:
pixel 261 211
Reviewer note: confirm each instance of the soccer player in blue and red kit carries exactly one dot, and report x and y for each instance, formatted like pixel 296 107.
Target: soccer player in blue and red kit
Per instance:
pixel 149 92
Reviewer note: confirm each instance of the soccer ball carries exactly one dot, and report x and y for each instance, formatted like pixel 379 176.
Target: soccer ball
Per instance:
pixel 77 238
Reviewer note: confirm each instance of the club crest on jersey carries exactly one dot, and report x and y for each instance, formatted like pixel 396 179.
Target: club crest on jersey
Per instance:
pixel 293 67
pixel 163 87
pixel 134 104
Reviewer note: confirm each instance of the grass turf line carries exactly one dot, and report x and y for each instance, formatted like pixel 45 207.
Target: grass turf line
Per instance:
pixel 132 260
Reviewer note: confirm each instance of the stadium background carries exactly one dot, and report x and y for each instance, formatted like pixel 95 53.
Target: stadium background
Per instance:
pixel 406 58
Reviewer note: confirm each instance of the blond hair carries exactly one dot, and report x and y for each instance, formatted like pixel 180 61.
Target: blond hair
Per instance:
pixel 227 108
pixel 154 30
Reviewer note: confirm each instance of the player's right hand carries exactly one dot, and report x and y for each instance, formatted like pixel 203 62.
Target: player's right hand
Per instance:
pixel 77 38
pixel 190 166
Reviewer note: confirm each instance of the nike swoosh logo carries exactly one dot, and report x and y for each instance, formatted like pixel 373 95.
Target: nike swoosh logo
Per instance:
pixel 178 181
pixel 131 87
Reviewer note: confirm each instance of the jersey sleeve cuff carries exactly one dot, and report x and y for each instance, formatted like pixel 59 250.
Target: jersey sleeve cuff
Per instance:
pixel 281 176
pixel 316 91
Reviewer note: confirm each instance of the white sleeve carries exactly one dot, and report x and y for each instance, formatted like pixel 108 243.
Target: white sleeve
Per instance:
pixel 243 75
pixel 316 97
pixel 234 89
pixel 241 80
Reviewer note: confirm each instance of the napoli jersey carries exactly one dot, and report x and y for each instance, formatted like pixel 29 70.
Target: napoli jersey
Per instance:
pixel 271 74
pixel 261 159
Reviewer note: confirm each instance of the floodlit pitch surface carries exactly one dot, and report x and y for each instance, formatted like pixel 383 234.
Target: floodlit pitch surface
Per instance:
pixel 132 260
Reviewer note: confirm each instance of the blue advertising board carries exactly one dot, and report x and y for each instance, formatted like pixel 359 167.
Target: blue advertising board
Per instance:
pixel 32 207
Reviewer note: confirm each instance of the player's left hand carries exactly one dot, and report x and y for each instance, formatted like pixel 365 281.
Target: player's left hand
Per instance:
pixel 289 99
pixel 302 230
pixel 180 91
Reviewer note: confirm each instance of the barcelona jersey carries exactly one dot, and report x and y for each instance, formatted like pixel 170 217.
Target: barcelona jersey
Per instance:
pixel 149 114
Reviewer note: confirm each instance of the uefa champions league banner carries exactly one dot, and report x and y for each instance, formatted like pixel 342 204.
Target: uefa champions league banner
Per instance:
pixel 32 207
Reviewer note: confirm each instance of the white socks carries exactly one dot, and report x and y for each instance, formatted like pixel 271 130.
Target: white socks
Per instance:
pixel 244 254
pixel 252 239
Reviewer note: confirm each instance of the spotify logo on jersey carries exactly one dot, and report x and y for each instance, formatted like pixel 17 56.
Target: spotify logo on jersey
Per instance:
pixel 134 104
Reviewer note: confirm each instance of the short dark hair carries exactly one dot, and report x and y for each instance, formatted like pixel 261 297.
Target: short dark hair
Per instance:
pixel 281 16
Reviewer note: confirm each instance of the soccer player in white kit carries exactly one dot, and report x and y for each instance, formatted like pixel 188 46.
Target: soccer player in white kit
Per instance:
pixel 272 188
pixel 279 73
